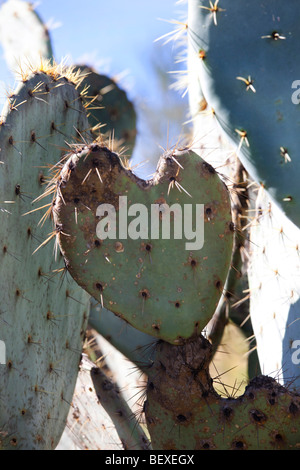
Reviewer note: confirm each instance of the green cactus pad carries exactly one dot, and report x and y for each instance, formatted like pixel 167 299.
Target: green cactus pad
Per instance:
pixel 183 411
pixel 248 72
pixel 109 108
pixel 161 286
pixel 24 37
pixel 132 343
pixel 43 313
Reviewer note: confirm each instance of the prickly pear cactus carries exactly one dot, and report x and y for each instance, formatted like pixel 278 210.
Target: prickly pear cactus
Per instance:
pixel 43 313
pixel 271 257
pixel 166 284
pixel 266 417
pixel 274 279
pixel 132 343
pixel 25 40
pixel 110 110
pixel 246 51
pixel 24 37
pixel 101 418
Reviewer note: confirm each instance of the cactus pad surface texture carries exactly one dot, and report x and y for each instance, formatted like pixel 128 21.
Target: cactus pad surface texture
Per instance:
pixel 248 75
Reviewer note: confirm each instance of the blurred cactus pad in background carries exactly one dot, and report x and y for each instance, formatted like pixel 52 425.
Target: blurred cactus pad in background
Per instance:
pixel 117 330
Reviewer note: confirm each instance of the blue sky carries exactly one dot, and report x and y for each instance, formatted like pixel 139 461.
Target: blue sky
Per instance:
pixel 118 37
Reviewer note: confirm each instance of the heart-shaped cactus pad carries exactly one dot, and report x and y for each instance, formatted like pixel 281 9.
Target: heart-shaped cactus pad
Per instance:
pixel 157 252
